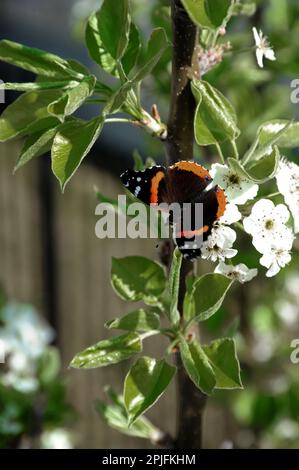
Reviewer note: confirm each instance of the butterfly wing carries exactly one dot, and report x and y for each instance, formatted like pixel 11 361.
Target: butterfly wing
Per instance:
pixel 148 185
pixel 187 180
pixel 183 182
pixel 213 207
pixel 187 183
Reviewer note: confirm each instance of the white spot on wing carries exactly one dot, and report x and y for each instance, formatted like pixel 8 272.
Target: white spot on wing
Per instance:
pixel 137 191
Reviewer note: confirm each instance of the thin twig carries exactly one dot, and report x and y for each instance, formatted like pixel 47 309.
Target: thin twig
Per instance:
pixel 219 150
pixel 235 149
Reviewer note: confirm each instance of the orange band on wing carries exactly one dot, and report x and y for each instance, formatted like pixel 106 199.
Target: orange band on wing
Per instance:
pixel 192 166
pixel 155 187
pixel 221 198
pixel 192 233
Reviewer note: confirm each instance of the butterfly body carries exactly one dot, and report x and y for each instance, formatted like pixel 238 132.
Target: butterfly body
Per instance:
pixel 182 183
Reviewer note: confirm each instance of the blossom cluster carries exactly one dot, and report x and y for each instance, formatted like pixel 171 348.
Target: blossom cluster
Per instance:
pixel 269 225
pixel 272 227
pixel 26 338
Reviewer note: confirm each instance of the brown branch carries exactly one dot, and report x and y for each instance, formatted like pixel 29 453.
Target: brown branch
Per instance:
pixel 179 146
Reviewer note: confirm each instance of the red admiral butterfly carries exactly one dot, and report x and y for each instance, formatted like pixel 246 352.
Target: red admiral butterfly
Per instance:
pixel 183 182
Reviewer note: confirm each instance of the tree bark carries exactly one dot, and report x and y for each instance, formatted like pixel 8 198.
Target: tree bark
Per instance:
pixel 179 146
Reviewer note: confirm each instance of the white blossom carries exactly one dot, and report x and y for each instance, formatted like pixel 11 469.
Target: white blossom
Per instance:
pixel 239 272
pixel 25 331
pixel 25 337
pixel 227 445
pixel 286 429
pixel 266 224
pixel 21 372
pixel 231 215
pixel 287 312
pixel 291 286
pixel 264 346
pixel 56 439
pixel 19 363
pixel 219 244
pixel 287 178
pixel 275 258
pixel 238 188
pixel 270 235
pixel 24 384
pixel 263 48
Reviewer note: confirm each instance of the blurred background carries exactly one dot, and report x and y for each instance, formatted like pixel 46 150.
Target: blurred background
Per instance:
pixel 55 273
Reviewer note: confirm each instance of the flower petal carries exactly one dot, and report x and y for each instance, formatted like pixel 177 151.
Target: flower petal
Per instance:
pixel 269 54
pixel 260 57
pixel 256 36
pixel 273 270
pixel 231 215
pixel 281 213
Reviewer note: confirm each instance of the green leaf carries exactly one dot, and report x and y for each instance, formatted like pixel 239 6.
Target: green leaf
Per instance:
pixel 49 366
pixel 95 46
pixel 197 366
pixel 36 145
pixel 114 26
pixel 73 98
pixel 71 145
pixel 79 94
pixel 209 292
pixel 100 54
pixel 189 304
pixel 215 119
pixel 139 320
pixel 156 46
pixel 265 169
pixel 133 49
pixel 288 139
pixel 108 351
pixel 138 161
pixel 224 362
pixel 144 384
pixel 115 416
pixel 137 278
pixel 265 148
pixel 57 107
pixel 35 60
pixel 28 114
pixel 118 98
pixel 116 398
pixel 217 10
pixel 207 13
pixel 78 67
pixel 261 171
pixel 197 12
pixel 45 85
pixel 246 9
pixel 174 286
